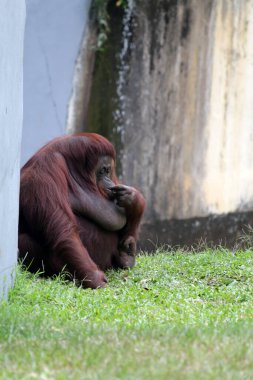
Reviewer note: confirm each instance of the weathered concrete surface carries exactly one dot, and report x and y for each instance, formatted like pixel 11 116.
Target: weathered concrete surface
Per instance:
pixel 78 104
pixel 54 31
pixel 189 107
pixel 229 230
pixel 12 22
pixel 177 93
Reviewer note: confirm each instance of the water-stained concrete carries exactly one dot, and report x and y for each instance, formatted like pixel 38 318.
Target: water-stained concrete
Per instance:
pixel 182 111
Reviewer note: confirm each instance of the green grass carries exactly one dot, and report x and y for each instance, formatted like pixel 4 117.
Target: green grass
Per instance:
pixel 175 315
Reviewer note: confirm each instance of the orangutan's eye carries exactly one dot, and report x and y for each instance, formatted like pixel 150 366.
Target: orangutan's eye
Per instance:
pixel 105 170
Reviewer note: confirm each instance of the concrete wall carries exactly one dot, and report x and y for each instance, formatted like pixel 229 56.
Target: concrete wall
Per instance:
pixel 12 22
pixel 174 89
pixel 188 107
pixel 54 31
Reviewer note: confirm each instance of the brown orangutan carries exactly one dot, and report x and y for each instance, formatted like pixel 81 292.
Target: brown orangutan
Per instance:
pixel 74 214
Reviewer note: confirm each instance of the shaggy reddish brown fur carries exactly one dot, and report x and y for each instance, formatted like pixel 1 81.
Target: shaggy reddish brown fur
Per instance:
pixel 53 235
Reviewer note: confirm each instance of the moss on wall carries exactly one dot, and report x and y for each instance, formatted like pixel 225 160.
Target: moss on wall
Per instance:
pixel 103 98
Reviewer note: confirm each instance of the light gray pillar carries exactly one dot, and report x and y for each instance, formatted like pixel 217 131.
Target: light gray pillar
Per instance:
pixel 12 22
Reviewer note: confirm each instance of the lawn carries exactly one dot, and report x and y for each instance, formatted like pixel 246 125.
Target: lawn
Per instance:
pixel 176 315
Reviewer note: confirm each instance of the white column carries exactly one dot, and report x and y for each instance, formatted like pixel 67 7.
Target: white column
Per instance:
pixel 12 22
